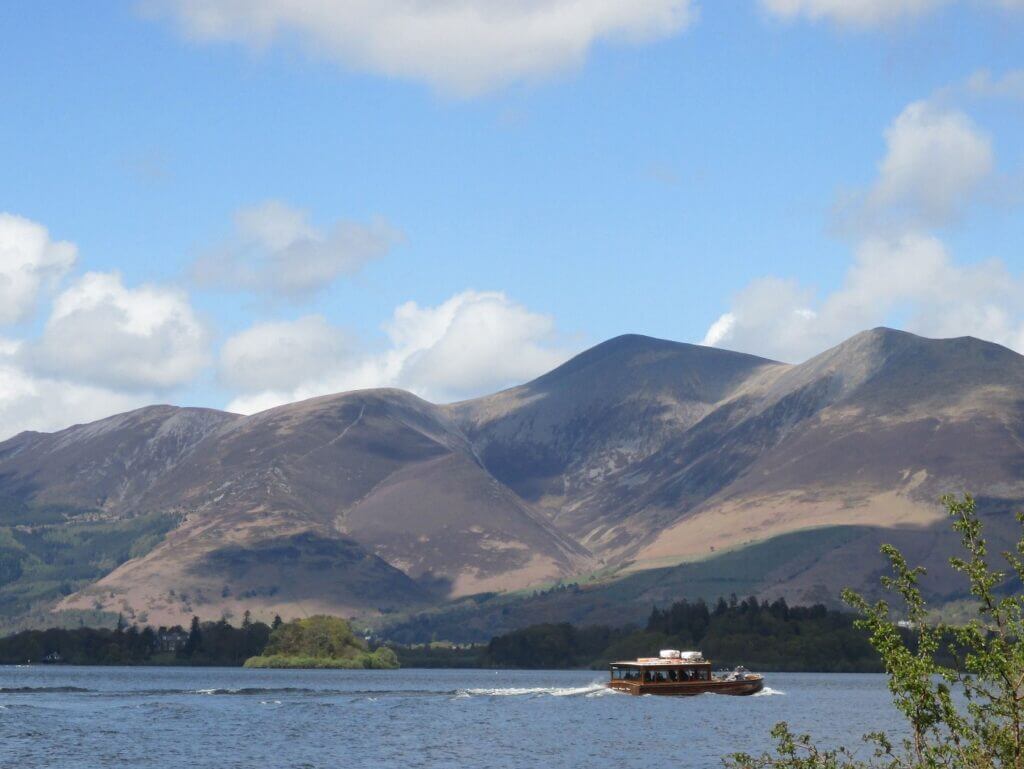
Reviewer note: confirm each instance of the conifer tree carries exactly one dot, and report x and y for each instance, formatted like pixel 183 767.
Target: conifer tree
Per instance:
pixel 195 638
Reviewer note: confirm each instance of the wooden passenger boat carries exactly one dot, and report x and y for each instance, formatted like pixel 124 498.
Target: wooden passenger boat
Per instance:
pixel 680 674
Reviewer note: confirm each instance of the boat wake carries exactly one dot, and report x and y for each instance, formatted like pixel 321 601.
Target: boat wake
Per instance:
pixel 769 692
pixel 42 690
pixel 595 689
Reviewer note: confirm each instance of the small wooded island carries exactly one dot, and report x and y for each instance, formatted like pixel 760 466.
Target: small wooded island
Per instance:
pixel 320 642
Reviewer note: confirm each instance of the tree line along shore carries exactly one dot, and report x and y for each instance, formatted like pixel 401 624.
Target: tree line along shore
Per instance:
pixel 313 642
pixel 761 635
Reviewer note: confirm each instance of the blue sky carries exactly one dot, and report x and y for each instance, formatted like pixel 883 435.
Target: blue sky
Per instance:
pixel 246 208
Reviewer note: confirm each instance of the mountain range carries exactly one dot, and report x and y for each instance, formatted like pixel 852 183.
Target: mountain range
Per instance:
pixel 634 471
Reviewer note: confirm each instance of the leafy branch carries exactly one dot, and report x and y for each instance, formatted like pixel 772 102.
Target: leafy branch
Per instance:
pixel 964 715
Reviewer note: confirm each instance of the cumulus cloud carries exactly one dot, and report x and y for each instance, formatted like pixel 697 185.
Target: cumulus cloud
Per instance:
pixel 472 343
pixel 475 342
pixel 459 46
pixel 277 250
pixel 29 402
pixel 936 162
pixel 105 348
pixel 280 355
pixel 30 262
pixel 911 278
pixel 103 334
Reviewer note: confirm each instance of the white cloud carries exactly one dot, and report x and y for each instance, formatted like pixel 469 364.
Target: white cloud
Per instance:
pixel 911 277
pixel 1010 85
pixel 936 161
pixel 277 356
pixel 104 334
pixel 459 46
pixel 865 13
pixel 30 262
pixel 104 348
pixel 28 402
pixel 855 13
pixel 277 250
pixel 473 343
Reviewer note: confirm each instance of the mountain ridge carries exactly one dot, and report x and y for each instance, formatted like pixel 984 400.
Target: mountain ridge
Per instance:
pixel 634 455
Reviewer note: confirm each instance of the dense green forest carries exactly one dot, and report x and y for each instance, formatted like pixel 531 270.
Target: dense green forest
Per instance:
pixel 47 553
pixel 760 635
pixel 318 641
pixel 204 643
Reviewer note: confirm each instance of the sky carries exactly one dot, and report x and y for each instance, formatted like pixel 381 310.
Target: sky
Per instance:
pixel 237 204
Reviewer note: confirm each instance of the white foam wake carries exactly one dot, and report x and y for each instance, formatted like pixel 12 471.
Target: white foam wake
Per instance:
pixel 769 692
pixel 593 689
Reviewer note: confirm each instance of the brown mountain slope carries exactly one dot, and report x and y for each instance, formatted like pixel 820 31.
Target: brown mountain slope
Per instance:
pixel 106 465
pixel 299 504
pixel 869 433
pixel 569 439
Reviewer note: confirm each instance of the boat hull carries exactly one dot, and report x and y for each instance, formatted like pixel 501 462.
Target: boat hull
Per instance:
pixel 742 688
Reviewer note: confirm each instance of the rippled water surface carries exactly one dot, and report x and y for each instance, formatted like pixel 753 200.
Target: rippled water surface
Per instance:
pixel 171 717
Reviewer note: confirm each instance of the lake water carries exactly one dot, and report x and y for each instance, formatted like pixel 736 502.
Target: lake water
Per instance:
pixel 72 717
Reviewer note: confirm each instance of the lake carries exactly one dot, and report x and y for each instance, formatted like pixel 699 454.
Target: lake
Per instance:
pixel 71 717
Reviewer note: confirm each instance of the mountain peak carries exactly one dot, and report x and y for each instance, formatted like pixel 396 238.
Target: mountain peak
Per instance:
pixel 889 343
pixel 627 352
pixel 900 365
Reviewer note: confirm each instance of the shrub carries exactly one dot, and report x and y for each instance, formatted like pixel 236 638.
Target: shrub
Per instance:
pixel 982 730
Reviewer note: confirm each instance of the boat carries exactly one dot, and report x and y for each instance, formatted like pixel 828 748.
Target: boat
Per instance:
pixel 681 674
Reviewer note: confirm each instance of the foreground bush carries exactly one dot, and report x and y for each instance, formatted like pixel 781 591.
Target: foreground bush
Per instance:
pixel 983 728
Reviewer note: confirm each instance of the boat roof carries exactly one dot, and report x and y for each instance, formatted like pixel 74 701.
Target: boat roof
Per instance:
pixel 662 662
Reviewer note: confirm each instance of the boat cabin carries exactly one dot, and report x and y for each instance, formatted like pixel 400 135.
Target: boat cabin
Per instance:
pixel 678 673
pixel 661 671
